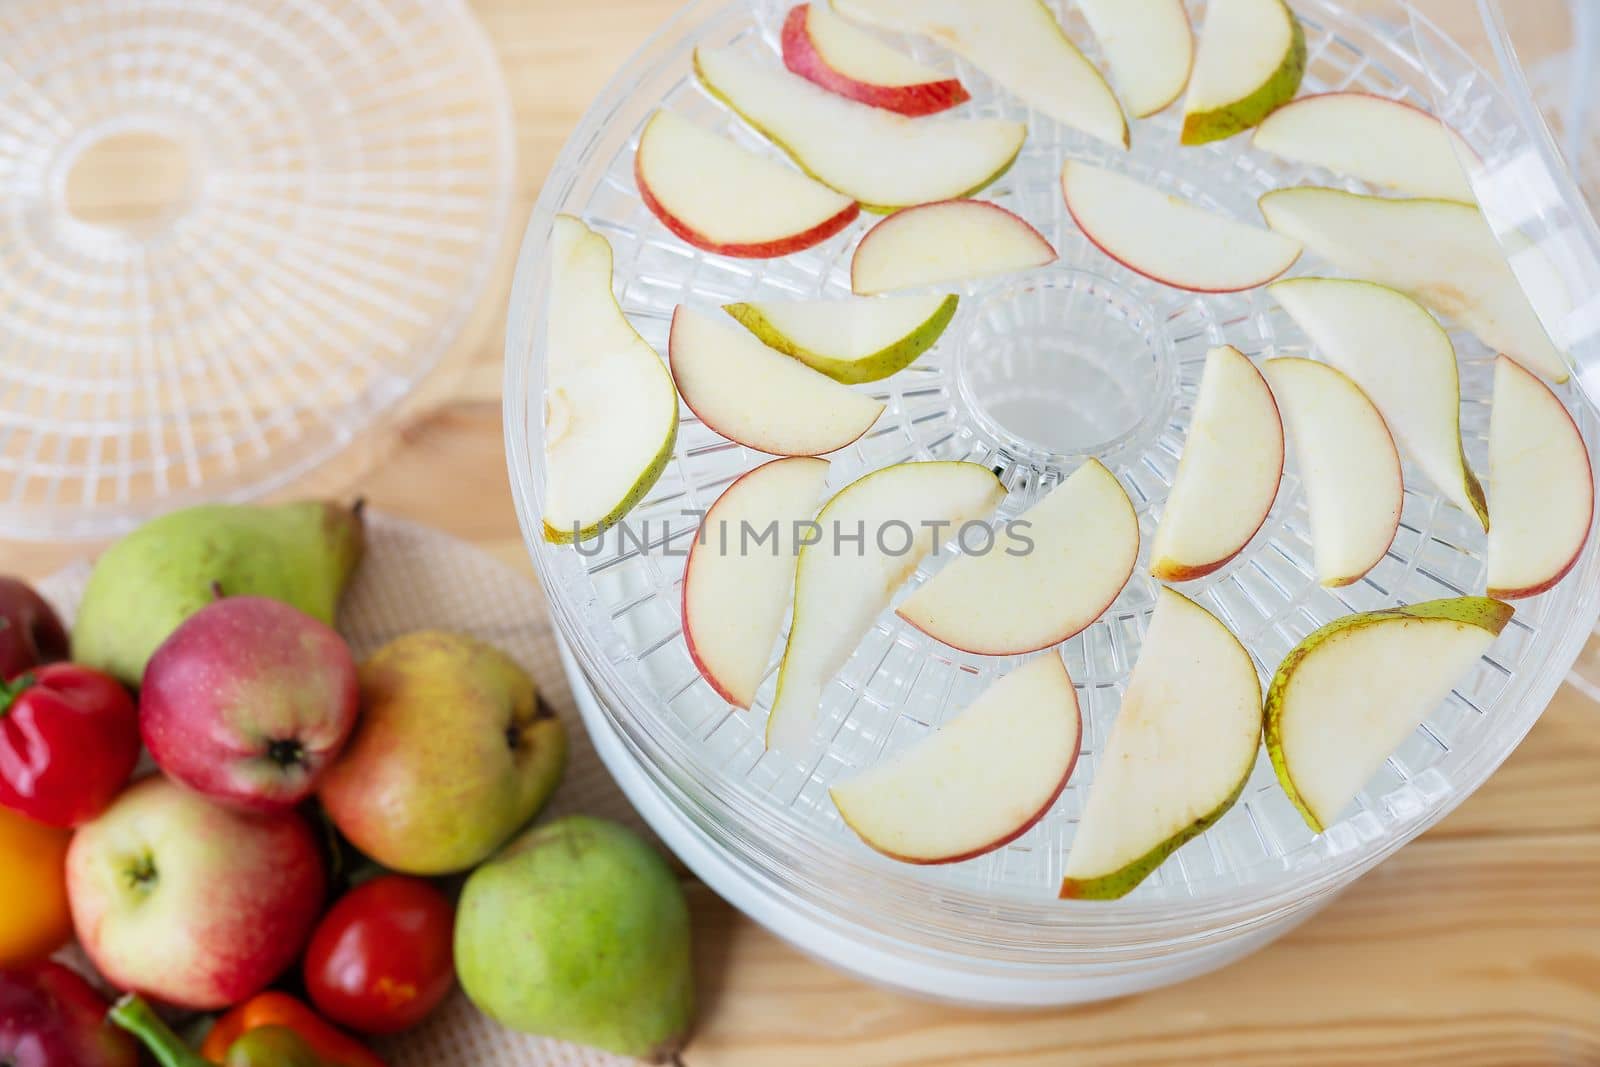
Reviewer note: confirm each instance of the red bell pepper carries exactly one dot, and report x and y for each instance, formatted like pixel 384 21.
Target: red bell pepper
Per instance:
pixel 69 737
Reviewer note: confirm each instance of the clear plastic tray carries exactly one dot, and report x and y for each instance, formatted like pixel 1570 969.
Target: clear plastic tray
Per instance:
pixel 618 605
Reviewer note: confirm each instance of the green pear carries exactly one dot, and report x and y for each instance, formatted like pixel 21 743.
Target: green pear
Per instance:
pixel 153 579
pixel 578 930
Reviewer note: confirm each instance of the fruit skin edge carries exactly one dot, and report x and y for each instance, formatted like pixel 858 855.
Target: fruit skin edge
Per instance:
pixel 800 56
pixel 646 482
pixel 1203 127
pixel 847 372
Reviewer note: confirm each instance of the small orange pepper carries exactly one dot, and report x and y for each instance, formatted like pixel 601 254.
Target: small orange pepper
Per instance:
pixel 280 1009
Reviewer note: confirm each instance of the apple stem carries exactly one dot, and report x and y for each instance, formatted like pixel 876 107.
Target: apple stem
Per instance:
pixel 10 691
pixel 139 1019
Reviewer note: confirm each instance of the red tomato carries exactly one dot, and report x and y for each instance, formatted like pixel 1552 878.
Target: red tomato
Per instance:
pixel 381 959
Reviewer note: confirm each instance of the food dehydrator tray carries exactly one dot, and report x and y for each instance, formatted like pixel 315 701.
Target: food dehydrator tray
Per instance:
pixel 1019 346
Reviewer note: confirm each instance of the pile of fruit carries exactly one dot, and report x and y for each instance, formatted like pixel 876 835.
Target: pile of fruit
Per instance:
pixel 323 848
pixel 859 119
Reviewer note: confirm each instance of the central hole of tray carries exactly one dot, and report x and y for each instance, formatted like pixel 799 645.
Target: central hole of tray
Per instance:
pixel 1072 365
pixel 134 181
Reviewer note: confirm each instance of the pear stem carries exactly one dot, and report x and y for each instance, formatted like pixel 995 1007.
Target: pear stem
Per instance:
pixel 216 590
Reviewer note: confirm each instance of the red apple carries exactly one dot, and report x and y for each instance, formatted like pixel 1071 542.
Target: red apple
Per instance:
pixel 826 50
pixel 51 1017
pixel 30 632
pixel 190 902
pixel 248 702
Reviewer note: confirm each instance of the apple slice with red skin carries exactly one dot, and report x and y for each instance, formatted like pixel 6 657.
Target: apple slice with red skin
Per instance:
pixel 978 783
pixel 1169 240
pixel 735 588
pixel 724 199
pixel 1228 474
pixel 951 241
pixel 828 51
pixel 1541 486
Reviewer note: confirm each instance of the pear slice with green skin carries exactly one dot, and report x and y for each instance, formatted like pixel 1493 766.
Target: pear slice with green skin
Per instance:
pixel 1179 754
pixel 1347 696
pixel 1251 60
pixel 1440 253
pixel 1403 360
pixel 851 341
pixel 611 410
pixel 884 160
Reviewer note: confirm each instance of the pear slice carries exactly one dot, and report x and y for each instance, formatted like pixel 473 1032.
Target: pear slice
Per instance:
pixel 1252 57
pixel 1228 474
pixel 1348 463
pixel 610 411
pixel 740 572
pixel 956 240
pixel 1378 140
pixel 1403 360
pixel 1179 754
pixel 828 51
pixel 750 394
pixel 1170 240
pixel 1085 542
pixel 981 781
pixel 846 578
pixel 1346 697
pixel 1020 45
pixel 1540 483
pixel 850 341
pixel 1439 252
pixel 884 160
pixel 719 197
pixel 1148 45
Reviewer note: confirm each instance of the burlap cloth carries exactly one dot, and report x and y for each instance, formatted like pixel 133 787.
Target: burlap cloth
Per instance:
pixel 415 578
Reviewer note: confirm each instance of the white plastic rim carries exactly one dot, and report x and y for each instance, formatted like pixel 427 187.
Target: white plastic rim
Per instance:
pixel 996 917
pixel 349 170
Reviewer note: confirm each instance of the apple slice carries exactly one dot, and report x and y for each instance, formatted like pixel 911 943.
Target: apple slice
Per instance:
pixel 610 412
pixel 1085 543
pixel 1179 754
pixel 736 587
pixel 1403 360
pixel 955 240
pixel 1228 474
pixel 1440 252
pixel 1352 691
pixel 824 49
pixel 750 394
pixel 1148 45
pixel 1373 138
pixel 1252 57
pixel 1348 463
pixel 1170 240
pixel 981 781
pixel 1540 483
pixel 846 578
pixel 1020 45
pixel 850 341
pixel 718 197
pixel 885 161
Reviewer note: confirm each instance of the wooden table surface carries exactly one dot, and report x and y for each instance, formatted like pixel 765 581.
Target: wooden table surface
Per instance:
pixel 1479 944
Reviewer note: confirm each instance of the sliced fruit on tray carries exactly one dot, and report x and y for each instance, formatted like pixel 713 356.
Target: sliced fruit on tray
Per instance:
pixel 825 49
pixel 1170 240
pixel 1348 462
pixel 1020 45
pixel 724 199
pixel 1228 474
pixel 981 781
pixel 735 587
pixel 1148 45
pixel 1378 140
pixel 845 580
pixel 1252 57
pixel 1346 697
pixel 610 411
pixel 764 400
pixel 1179 754
pixel 1440 252
pixel 850 341
pixel 885 161
pixel 1085 542
pixel 1403 360
pixel 1541 486
pixel 955 240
